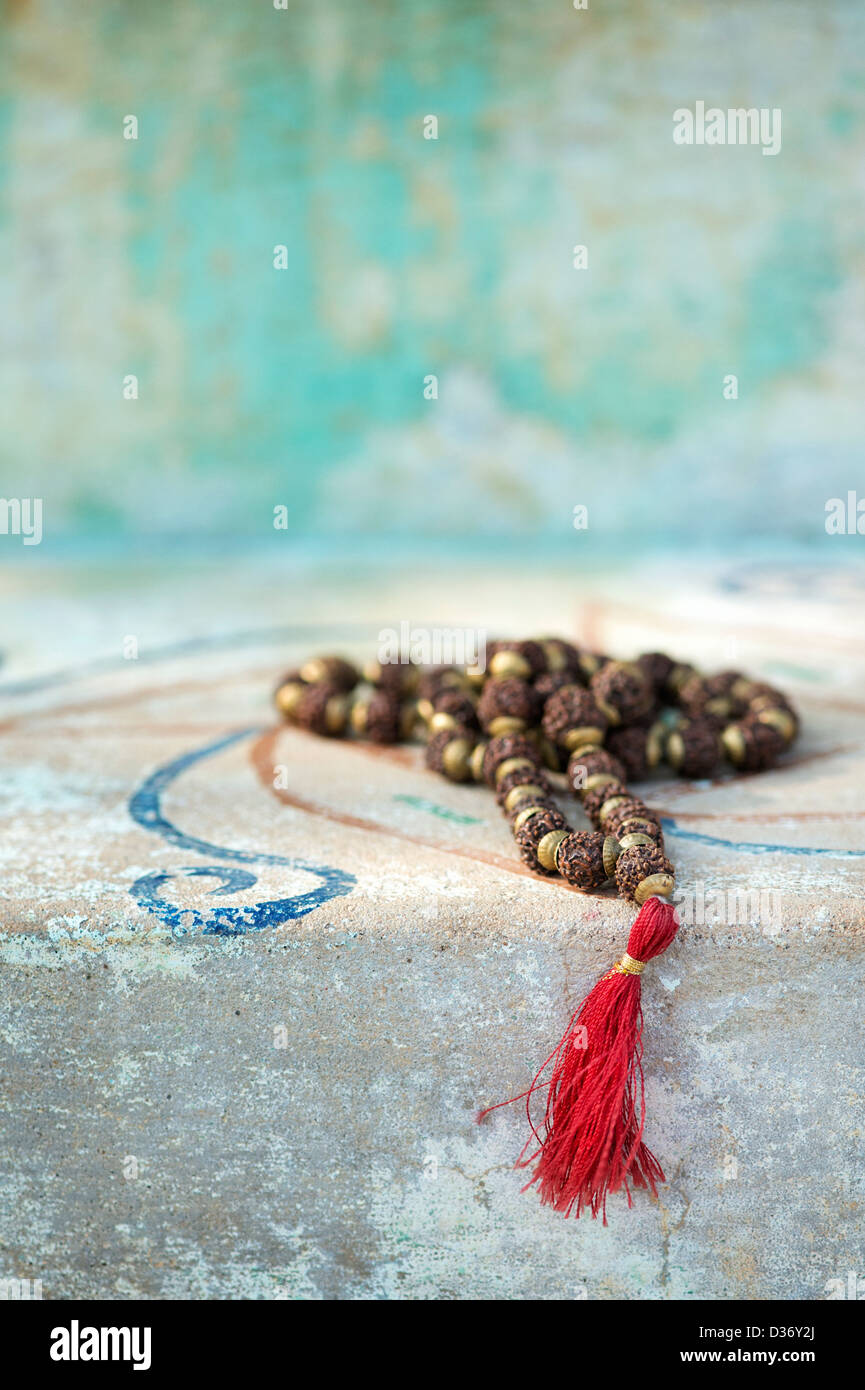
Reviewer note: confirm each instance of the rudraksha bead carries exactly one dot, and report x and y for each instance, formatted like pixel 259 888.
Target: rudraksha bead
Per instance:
pixel 502 749
pixel 322 709
pixel 656 667
pixel 330 670
pixel 399 677
pixel 520 660
pixel 508 706
pixel 448 751
pixel 592 761
pixel 622 691
pixel 439 678
pixel 530 833
pixel 560 656
pixel 551 681
pixel 643 870
pixel 631 746
pixel 627 811
pixel 752 744
pixel 771 707
pixel 521 800
pixel 521 777
pixel 595 797
pixel 571 717
pixel 711 696
pixel 378 717
pixel 457 704
pixel 694 749
pixel 580 859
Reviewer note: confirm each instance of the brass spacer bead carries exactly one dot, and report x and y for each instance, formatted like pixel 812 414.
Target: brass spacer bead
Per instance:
pixel 681 672
pixel 609 710
pixel 597 779
pixel 589 664
pixel 555 657
pixel 506 724
pixel 357 718
pixel 525 789
pixel 612 850
pixel 548 848
pixel 675 749
pixel 586 734
pixel 408 719
pixel 477 759
pixel 314 671
pixel 734 744
pixel 287 696
pixel 720 707
pixel 426 710
pixel 336 714
pixel 512 765
pixel 610 805
pixel 583 748
pixel 549 756
pixel 475 677
pixel 655 740
pixel 655 886
pixel 442 720
pixel 508 665
pixel 781 720
pixel 525 814
pixel 455 759
pixel 635 837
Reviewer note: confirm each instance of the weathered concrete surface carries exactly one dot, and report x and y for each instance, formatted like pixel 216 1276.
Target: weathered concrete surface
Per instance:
pixel 297 1102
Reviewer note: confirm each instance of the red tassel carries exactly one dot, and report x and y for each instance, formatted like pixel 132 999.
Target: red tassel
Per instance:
pixel 592 1140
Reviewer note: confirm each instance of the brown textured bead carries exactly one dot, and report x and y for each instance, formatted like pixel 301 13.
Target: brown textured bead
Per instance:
pixel 580 859
pixel 508 699
pixel 753 745
pixel 521 802
pixel 711 696
pixel 551 681
pixel 630 809
pixel 322 709
pixel 330 670
pixel 623 691
pixel 638 863
pixel 694 748
pixel 453 765
pixel 630 746
pixel 561 656
pixel 656 667
pixel 439 678
pixel 520 777
pixel 532 831
pixel 379 717
pixel 507 746
pixel 592 762
pixel 532 660
pixel 398 677
pixel 458 704
pixel 568 709
pixel 594 799
pixel 765 699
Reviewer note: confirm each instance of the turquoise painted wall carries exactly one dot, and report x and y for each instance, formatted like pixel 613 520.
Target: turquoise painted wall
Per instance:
pixel 408 257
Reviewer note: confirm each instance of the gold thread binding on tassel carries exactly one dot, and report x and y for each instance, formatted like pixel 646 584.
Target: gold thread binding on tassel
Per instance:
pixel 629 966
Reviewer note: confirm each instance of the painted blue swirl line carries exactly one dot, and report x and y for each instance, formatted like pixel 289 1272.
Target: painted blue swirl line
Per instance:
pixel 146 810
pixel 754 847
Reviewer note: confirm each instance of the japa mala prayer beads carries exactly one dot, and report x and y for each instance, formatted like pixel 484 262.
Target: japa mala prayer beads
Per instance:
pixel 544 710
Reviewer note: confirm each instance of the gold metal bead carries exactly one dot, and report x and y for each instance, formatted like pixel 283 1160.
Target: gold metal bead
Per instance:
pixel 586 734
pixel 357 719
pixel 612 850
pixel 589 664
pixel 734 744
pixel 742 689
pixel 609 806
pixel 426 710
pixel 517 793
pixel 655 741
pixel 675 749
pixel 584 748
pixel 287 696
pixel 508 665
pixel 681 672
pixel 525 814
pixel 371 671
pixel 336 714
pixel 609 710
pixel 511 765
pixel 655 886
pixel 720 706
pixel 476 761
pixel 635 837
pixel 555 657
pixel 781 720
pixel 475 677
pixel 547 750
pixel 505 724
pixel 442 720
pixel 598 779
pixel 408 719
pixel 548 849
pixel 455 759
